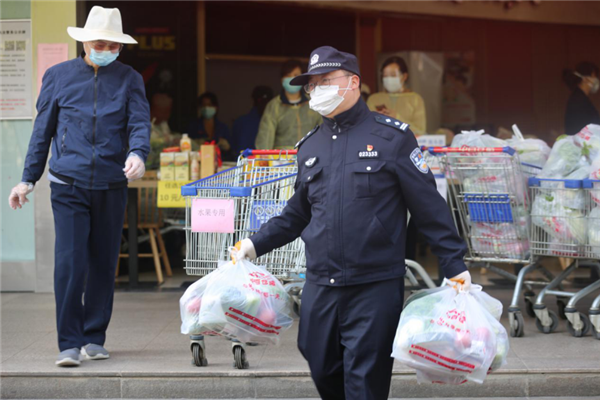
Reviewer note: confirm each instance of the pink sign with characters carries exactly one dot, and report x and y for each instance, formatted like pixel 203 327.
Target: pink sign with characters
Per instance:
pixel 212 215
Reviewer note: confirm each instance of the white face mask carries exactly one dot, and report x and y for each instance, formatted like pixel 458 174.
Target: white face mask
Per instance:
pixel 325 101
pixel 392 84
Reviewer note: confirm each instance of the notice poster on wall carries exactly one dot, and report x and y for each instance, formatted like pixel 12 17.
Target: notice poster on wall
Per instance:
pixel 48 55
pixel 15 70
pixel 458 103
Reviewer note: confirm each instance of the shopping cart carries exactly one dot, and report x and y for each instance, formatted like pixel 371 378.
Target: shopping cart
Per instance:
pixel 258 189
pixel 562 215
pixel 592 188
pixel 490 203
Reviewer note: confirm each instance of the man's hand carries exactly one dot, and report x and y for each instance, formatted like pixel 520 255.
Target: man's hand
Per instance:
pixel 245 251
pixel 134 167
pixel 461 281
pixel 18 195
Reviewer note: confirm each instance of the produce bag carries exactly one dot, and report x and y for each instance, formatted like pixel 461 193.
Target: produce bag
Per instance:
pixel 558 219
pixel 449 336
pixel 476 139
pixel 595 169
pixel 566 157
pixel 506 240
pixel 189 307
pixel 245 302
pixel 588 139
pixel 531 151
pixel 594 231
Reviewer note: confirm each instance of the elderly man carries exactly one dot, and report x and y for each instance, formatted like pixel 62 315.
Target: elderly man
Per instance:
pixel 93 113
pixel 358 174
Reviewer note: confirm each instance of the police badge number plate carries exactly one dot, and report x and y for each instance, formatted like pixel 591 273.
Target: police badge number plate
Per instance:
pixel 419 161
pixel 370 153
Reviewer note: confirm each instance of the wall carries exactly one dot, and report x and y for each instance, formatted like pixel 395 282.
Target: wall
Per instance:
pixel 518 76
pixel 27 263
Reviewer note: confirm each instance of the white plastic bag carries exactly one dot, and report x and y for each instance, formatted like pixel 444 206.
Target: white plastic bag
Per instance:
pixel 595 169
pixel 565 158
pixel 588 139
pixel 531 151
pixel 476 139
pixel 565 224
pixel 449 336
pixel 245 302
pixel 189 307
pixel 594 231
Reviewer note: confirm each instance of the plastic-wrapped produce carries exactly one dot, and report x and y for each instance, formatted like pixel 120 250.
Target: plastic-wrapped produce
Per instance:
pixel 594 231
pixel 476 139
pixel 448 336
pixel 531 151
pixel 595 169
pixel 588 139
pixel 565 224
pixel 245 302
pixel 189 307
pixel 565 158
pixel 506 240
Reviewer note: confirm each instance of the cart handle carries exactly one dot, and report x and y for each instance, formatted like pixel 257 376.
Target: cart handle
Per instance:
pixel 250 152
pixel 439 150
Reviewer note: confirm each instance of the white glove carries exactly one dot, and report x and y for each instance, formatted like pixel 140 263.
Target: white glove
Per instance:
pixel 245 251
pixel 18 195
pixel 134 167
pixel 461 281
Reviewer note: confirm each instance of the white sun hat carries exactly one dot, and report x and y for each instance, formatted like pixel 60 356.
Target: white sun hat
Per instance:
pixel 102 24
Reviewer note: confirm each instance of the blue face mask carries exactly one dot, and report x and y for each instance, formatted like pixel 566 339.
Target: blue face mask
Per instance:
pixel 291 89
pixel 103 58
pixel 208 112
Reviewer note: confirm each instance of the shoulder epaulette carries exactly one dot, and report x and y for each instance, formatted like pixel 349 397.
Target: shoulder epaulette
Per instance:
pixel 401 126
pixel 309 134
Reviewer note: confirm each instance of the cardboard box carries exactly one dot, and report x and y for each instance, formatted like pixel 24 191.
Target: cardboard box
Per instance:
pixel 167 166
pixel 182 166
pixel 208 157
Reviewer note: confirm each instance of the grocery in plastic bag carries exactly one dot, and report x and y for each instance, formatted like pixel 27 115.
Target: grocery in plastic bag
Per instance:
pixel 562 222
pixel 476 139
pixel 531 151
pixel 594 231
pixel 565 158
pixel 588 139
pixel 450 337
pixel 245 302
pixel 189 307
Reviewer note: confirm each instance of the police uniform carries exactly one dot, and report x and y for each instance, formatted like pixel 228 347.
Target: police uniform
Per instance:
pixel 358 175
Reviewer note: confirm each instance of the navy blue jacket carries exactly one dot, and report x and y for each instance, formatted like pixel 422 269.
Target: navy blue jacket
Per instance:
pixel 358 175
pixel 92 121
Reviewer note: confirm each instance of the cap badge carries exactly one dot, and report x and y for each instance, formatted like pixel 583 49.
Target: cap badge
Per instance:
pixel 314 59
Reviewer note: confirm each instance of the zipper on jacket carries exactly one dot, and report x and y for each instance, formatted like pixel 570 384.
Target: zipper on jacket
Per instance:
pixel 94 127
pixel 63 147
pixel 342 204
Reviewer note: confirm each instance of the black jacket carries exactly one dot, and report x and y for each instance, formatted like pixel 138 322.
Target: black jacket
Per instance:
pixel 580 112
pixel 358 175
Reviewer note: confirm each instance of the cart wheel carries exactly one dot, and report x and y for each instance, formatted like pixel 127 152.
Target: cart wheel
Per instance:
pixel 198 355
pixel 553 325
pixel 516 325
pixel 529 307
pixel 239 356
pixel 583 331
pixel 562 304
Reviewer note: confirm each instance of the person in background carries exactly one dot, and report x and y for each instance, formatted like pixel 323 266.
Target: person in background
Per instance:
pixel 398 101
pixel 583 82
pixel 365 92
pixel 94 115
pixel 208 127
pixel 287 118
pixel 245 128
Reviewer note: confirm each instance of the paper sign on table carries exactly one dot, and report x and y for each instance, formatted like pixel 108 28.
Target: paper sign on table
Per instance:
pixel 169 194
pixel 212 215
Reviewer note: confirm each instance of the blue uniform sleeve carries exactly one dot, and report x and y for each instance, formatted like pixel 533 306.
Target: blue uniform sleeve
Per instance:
pixel 285 228
pixel 43 129
pixel 429 209
pixel 138 117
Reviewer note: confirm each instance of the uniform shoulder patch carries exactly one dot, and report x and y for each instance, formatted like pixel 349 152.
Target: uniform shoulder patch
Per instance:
pixel 392 122
pixel 419 161
pixel 309 134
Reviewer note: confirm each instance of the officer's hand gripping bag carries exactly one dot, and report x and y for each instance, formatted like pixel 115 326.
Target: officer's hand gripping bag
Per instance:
pixel 451 337
pixel 189 307
pixel 245 302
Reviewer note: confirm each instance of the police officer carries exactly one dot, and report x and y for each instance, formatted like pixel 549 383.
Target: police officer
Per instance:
pixel 359 173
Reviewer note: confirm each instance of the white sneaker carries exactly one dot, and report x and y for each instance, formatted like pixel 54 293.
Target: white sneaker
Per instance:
pixel 69 358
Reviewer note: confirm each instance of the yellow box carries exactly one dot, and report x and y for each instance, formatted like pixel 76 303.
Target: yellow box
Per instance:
pixel 167 166
pixel 182 166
